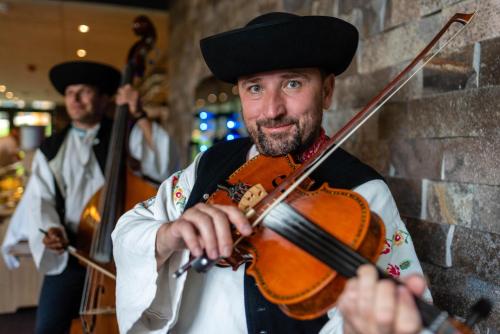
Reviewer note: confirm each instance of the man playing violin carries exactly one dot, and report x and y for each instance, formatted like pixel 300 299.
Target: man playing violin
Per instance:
pixel 285 73
pixel 67 170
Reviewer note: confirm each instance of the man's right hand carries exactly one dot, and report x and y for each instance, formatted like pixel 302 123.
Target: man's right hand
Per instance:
pixel 55 240
pixel 203 227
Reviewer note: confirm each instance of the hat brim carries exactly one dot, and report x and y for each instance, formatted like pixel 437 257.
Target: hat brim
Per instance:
pixel 104 77
pixel 306 41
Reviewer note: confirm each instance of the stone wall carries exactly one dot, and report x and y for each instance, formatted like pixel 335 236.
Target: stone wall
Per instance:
pixel 436 142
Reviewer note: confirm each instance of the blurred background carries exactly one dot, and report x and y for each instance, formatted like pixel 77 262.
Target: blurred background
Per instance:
pixel 436 142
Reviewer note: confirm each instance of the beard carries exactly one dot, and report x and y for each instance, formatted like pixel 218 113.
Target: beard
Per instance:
pixel 283 143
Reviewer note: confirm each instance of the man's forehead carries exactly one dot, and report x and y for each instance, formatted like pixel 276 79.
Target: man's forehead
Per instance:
pixel 281 73
pixel 74 87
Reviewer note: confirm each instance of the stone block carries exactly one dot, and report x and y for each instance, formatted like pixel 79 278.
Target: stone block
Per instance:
pixel 401 11
pixel 456 291
pixel 404 42
pixel 486 209
pixel 416 159
pixel 398 45
pixel 474 160
pixel 334 120
pixel 450 72
pixel 373 153
pixel 429 240
pixel 407 194
pixel 485 25
pixel 490 63
pixel 477 252
pixel 358 90
pixel 447 203
pixel 431 6
pixel 367 16
pixel 467 113
pixel 470 160
pixel 301 7
pixel 347 6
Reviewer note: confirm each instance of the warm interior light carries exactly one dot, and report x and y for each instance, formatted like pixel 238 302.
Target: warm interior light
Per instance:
pixel 43 105
pixel 83 28
pixel 32 119
pixel 9 95
pixel 2 88
pixel 223 97
pixel 81 53
pixel 212 98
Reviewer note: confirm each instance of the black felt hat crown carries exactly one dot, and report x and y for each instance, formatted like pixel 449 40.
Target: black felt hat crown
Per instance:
pixel 106 78
pixel 281 41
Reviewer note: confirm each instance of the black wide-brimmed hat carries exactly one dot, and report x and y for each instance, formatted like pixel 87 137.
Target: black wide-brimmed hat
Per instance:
pixel 276 41
pixel 106 78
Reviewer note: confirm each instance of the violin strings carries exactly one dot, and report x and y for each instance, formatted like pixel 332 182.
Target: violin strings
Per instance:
pixel 310 237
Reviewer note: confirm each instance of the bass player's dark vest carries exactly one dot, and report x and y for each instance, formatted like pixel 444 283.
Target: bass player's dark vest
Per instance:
pixel 50 147
pixel 341 170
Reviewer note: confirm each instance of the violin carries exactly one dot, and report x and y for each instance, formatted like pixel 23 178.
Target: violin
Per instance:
pixel 317 235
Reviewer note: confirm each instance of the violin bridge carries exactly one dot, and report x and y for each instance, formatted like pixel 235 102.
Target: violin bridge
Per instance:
pixel 251 197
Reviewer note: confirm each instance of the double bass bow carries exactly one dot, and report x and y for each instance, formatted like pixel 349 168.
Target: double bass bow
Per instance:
pixel 317 235
pixel 121 191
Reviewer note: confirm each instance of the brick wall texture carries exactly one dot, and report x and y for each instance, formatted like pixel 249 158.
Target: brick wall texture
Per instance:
pixel 437 141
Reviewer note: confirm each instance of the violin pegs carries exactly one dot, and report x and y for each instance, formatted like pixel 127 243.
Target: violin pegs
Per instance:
pixel 480 310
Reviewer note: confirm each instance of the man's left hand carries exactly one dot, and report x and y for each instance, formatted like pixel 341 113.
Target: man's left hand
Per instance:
pixel 372 306
pixel 130 96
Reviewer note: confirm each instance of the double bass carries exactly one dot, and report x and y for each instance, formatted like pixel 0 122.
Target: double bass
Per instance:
pixel 122 190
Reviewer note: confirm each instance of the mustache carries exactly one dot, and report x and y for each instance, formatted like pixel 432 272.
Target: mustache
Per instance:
pixel 276 122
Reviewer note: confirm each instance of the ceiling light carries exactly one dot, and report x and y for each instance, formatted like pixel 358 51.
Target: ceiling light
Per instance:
pixel 81 53
pixel 9 95
pixel 2 88
pixel 83 28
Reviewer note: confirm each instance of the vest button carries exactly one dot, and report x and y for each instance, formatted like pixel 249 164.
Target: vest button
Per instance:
pixel 261 309
pixel 263 332
pixel 206 196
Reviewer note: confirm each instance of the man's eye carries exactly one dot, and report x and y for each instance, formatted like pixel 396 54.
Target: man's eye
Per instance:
pixel 254 89
pixel 293 84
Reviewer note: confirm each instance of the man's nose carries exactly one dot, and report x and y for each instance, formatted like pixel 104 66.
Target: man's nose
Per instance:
pixel 78 96
pixel 275 104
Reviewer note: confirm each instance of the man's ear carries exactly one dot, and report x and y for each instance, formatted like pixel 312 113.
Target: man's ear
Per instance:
pixel 328 88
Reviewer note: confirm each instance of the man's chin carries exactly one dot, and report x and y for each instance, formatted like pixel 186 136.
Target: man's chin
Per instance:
pixel 276 148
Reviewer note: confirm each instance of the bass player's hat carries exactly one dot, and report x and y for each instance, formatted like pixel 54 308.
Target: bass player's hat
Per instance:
pixel 106 78
pixel 281 41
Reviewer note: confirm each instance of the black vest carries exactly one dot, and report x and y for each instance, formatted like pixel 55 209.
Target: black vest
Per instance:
pixel 340 170
pixel 50 147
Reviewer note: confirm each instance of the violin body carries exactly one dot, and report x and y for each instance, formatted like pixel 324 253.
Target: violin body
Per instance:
pixel 303 286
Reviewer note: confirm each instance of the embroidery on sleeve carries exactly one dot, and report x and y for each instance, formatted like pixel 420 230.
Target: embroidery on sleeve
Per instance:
pixel 395 269
pixel 179 197
pixel 400 238
pixel 387 247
